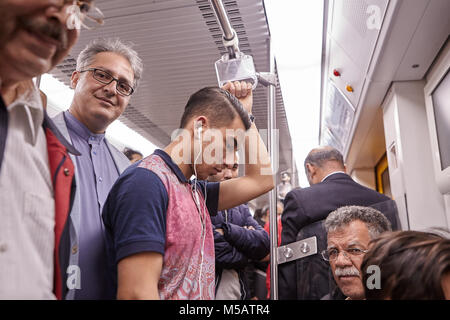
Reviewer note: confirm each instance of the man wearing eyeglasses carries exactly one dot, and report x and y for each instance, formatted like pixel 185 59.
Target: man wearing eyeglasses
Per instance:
pixel 107 73
pixel 304 212
pixel 36 173
pixel 349 231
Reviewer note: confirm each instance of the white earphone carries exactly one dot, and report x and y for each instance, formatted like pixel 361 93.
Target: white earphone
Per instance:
pixel 199 131
pixel 202 213
pixel 199 128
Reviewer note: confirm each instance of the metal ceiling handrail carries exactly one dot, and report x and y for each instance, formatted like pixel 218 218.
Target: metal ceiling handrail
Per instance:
pixel 230 39
pixel 269 80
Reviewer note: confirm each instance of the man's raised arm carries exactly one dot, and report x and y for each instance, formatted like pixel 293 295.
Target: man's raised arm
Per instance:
pixel 258 177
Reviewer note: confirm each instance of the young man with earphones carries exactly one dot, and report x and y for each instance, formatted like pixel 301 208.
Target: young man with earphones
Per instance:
pixel 158 227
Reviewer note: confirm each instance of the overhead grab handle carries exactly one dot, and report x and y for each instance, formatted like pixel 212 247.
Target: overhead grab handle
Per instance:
pixel 235 65
pixel 240 68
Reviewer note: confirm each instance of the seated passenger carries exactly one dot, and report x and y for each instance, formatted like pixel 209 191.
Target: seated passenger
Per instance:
pixel 305 209
pixel 238 238
pixel 412 265
pixel 349 231
pixel 159 232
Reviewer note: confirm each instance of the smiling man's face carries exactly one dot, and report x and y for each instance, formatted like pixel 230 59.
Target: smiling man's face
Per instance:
pixel 347 268
pixel 96 104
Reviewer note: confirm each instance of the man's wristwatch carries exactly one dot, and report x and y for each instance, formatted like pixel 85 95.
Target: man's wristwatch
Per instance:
pixel 251 117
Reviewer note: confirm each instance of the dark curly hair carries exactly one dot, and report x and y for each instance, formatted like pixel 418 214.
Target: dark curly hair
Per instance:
pixel 412 265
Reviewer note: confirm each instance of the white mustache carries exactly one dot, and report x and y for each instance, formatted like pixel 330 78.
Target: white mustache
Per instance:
pixel 349 271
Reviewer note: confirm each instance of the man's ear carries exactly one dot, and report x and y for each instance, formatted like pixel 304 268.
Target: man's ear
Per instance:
pixel 74 79
pixel 311 169
pixel 200 124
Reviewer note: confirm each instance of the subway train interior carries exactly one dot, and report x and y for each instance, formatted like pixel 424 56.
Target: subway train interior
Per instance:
pixel 381 62
pixel 379 89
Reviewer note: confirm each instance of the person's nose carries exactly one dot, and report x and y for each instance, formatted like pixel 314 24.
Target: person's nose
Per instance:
pixel 58 10
pixel 229 161
pixel 227 175
pixel 343 260
pixel 111 88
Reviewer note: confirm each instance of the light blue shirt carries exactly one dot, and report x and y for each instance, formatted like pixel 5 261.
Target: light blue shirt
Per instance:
pixel 97 173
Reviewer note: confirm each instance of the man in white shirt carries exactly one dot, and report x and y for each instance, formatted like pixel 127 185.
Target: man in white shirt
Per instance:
pixel 35 36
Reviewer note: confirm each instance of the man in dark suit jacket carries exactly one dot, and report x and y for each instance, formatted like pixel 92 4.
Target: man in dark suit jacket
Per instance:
pixel 331 188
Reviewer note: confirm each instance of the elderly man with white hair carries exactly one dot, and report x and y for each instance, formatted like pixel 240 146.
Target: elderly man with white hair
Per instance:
pixel 349 231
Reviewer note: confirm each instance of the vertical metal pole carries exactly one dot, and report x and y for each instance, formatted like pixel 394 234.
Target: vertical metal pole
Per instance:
pixel 225 25
pixel 273 150
pixel 294 169
pixel 222 17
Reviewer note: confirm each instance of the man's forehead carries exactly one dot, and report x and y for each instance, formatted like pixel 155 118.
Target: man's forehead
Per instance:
pixel 334 243
pixel 354 232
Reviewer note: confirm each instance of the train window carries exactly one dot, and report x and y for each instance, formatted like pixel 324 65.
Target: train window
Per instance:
pixel 338 115
pixel 441 103
pixel 437 101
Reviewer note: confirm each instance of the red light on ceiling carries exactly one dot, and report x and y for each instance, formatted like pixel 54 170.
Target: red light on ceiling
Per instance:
pixel 336 73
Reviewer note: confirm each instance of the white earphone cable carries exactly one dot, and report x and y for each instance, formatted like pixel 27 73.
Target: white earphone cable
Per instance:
pixel 200 210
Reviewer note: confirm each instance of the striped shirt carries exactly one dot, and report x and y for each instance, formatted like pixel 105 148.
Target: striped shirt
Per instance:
pixel 27 212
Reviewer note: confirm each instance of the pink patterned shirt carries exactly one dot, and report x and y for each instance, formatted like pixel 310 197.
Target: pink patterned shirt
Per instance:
pixel 160 214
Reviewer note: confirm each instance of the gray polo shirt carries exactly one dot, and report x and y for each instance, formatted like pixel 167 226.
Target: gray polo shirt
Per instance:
pixel 97 173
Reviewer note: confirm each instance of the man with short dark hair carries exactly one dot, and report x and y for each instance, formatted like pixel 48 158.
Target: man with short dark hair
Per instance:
pixel 331 188
pixel 349 231
pixel 160 237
